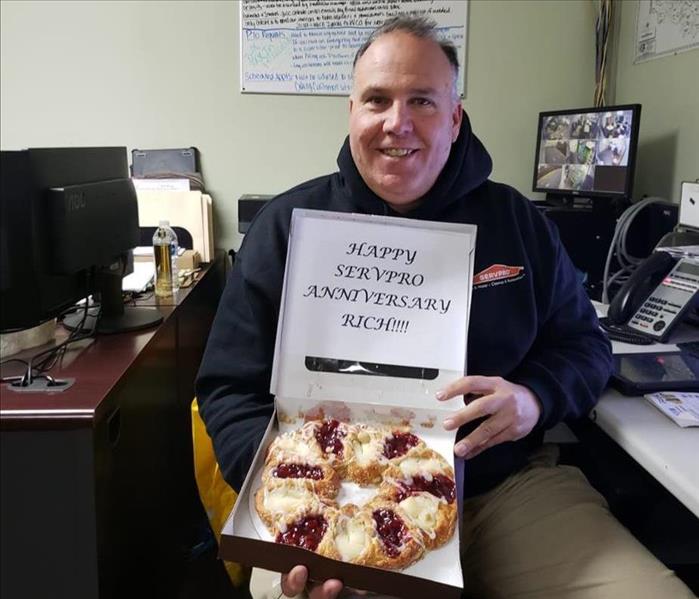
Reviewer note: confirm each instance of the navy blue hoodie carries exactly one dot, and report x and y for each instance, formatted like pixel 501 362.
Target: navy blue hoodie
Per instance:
pixel 531 321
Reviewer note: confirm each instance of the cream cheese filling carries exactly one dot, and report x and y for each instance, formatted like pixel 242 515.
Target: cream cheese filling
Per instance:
pixel 286 499
pixel 292 447
pixel 365 448
pixel 422 510
pixel 351 539
pixel 412 466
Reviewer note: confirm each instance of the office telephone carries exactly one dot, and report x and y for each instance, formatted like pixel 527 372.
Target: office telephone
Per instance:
pixel 656 297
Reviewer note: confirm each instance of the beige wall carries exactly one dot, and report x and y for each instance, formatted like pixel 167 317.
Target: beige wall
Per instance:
pixel 166 74
pixel 668 89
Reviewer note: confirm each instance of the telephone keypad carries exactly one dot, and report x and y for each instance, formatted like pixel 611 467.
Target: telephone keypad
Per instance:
pixel 656 315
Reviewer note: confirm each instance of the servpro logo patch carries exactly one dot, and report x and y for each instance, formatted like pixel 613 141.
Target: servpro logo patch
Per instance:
pixel 498 274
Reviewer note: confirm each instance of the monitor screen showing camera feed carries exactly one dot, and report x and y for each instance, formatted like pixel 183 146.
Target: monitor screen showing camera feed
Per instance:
pixel 587 151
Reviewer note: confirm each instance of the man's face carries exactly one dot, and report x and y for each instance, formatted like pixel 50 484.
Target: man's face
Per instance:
pixel 403 117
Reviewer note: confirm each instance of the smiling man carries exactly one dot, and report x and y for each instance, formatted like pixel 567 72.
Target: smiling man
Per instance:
pixel 531 528
pixel 405 114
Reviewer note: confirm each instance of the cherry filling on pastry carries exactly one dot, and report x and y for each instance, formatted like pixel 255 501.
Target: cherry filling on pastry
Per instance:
pixel 437 484
pixel 399 444
pixel 298 471
pixel 306 533
pixel 391 530
pixel 329 436
pixel 413 512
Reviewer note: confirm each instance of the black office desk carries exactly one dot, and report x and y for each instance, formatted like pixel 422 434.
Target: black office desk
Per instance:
pixel 98 497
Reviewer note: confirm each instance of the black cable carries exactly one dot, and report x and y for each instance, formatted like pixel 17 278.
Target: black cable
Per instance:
pixel 9 379
pixel 45 360
pixel 623 333
pixel 52 357
pixel 8 360
pixel 57 352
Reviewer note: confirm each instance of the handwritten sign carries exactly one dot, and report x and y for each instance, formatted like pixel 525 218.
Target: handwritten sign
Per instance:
pixel 307 47
pixel 378 289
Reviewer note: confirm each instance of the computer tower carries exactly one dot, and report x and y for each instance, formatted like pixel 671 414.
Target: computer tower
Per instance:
pixel 649 226
pixel 586 235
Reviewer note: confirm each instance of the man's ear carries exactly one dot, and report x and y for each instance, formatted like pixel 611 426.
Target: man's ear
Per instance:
pixel 456 117
pixel 351 104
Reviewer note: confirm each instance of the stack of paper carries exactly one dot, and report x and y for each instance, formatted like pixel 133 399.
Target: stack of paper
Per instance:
pixel 682 407
pixel 161 184
pixel 191 210
pixel 142 276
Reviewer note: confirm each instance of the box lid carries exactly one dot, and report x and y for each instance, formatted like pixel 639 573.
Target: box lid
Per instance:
pixel 374 309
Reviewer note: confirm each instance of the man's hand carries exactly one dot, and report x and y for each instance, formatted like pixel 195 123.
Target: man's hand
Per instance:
pixel 510 412
pixel 294 583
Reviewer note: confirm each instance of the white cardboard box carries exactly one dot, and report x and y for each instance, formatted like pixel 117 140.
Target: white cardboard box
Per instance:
pixel 367 294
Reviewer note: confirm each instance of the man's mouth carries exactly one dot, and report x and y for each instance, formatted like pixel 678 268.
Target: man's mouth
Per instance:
pixel 397 152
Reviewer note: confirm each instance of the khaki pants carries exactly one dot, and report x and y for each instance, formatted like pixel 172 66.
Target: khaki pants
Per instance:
pixel 545 533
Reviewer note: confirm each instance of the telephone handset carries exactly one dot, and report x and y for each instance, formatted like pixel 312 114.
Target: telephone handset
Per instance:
pixel 638 287
pixel 657 295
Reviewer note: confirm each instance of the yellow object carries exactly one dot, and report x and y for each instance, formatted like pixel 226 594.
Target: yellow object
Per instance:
pixel 216 496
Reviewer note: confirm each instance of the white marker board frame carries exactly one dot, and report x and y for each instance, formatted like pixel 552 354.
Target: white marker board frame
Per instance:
pixel 307 47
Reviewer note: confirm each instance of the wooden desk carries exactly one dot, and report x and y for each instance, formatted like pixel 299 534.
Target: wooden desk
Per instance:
pixel 98 497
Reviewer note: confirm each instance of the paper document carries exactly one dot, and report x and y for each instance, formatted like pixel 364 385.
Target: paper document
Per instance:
pixel 161 184
pixel 682 407
pixel 140 278
pixel 143 250
pixel 190 210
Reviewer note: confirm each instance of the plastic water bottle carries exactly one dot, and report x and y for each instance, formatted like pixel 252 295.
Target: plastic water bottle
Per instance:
pixel 165 248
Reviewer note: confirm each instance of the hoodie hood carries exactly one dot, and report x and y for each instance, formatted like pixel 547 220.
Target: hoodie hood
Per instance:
pixel 468 166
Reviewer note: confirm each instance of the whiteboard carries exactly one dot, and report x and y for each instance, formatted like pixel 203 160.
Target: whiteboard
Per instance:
pixel 665 27
pixel 307 47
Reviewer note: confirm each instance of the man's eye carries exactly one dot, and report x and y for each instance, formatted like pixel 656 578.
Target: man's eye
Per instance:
pixel 376 100
pixel 422 101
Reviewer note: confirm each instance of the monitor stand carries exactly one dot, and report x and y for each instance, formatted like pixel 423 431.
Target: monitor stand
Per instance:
pixel 560 201
pixel 607 207
pixel 112 316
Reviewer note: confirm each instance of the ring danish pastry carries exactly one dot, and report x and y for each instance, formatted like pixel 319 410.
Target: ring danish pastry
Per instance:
pixel 413 511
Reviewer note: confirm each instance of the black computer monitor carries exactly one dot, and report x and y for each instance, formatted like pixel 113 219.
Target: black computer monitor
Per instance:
pixel 68 218
pixel 587 152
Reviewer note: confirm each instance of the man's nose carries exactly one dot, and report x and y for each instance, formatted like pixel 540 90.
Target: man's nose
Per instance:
pixel 398 119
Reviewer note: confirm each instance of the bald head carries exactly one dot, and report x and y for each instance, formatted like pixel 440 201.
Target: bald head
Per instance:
pixel 419 27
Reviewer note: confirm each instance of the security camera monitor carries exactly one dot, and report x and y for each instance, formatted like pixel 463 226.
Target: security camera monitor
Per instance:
pixel 588 152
